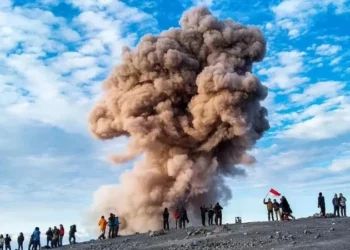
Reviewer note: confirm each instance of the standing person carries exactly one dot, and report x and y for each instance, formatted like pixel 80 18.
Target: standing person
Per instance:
pixel 56 237
pixel 116 226
pixel 2 242
pixel 110 226
pixel 203 211
pixel 36 234
pixel 49 236
pixel 335 202
pixel 210 215
pixel 102 224
pixel 20 241
pixel 218 214
pixel 176 216
pixel 276 208
pixel 269 207
pixel 166 219
pixel 322 204
pixel 342 203
pixel 286 210
pixel 8 242
pixel 61 233
pixel 31 242
pixel 72 231
pixel 183 217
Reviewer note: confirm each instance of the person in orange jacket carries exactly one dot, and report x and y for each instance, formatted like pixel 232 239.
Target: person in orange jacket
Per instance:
pixel 102 224
pixel 177 216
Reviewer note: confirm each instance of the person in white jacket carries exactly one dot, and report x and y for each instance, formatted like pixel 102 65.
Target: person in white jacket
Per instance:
pixel 342 203
pixel 2 241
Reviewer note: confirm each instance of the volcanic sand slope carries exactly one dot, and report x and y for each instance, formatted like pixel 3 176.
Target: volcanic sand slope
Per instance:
pixel 318 234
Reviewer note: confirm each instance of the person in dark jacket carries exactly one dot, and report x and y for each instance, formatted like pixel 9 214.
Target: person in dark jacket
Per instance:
pixel 203 211
pixel 322 204
pixel 31 242
pixel 276 208
pixel 269 207
pixel 286 210
pixel 20 241
pixel 342 204
pixel 110 226
pixel 8 242
pixel 183 217
pixel 166 219
pixel 116 226
pixel 218 214
pixel 72 231
pixel 49 236
pixel 335 202
pixel 210 215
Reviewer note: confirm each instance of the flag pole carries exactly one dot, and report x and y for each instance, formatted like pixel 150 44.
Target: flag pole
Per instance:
pixel 266 195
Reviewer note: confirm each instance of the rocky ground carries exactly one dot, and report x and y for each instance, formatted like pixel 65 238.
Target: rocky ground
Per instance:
pixel 327 234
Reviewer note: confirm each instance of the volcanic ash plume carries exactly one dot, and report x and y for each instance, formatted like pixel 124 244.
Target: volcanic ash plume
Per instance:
pixel 190 104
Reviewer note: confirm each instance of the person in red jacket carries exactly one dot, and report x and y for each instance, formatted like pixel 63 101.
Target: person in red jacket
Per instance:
pixel 61 234
pixel 176 216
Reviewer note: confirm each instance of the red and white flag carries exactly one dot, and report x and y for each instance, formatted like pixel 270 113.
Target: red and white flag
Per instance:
pixel 274 192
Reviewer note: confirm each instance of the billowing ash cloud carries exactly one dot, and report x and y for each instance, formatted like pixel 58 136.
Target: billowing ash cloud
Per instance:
pixel 190 104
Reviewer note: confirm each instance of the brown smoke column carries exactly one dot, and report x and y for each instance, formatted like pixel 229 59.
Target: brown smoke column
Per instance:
pixel 190 104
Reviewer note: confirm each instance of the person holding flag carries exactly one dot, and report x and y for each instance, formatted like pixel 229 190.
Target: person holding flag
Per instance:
pixel 270 205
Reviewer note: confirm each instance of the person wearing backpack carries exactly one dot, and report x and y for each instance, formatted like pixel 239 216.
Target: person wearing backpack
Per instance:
pixel 116 226
pixel 276 208
pixel 36 234
pixel 72 231
pixel 210 215
pixel 55 237
pixel 20 241
pixel 110 226
pixel 49 236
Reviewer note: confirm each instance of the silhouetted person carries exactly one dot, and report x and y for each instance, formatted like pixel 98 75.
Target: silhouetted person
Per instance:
pixel 177 216
pixel 269 207
pixel 72 231
pixel 286 210
pixel 102 224
pixel 166 219
pixel 218 214
pixel 8 242
pixel 56 237
pixel 335 202
pixel 2 242
pixel 276 208
pixel 210 215
pixel 342 203
pixel 36 234
pixel 31 242
pixel 116 226
pixel 49 236
pixel 183 217
pixel 203 211
pixel 61 232
pixel 322 204
pixel 110 226
pixel 20 241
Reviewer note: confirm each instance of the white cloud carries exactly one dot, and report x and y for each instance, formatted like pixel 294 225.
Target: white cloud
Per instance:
pixel 335 61
pixel 324 125
pixel 327 49
pixel 287 74
pixel 296 15
pixel 339 165
pixel 312 92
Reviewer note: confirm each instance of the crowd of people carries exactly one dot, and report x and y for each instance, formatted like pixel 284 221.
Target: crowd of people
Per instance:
pixel 281 209
pixel 181 218
pixel 113 226
pixel 54 239
pixel 339 204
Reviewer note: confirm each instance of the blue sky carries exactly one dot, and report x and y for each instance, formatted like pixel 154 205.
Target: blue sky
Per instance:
pixel 55 53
